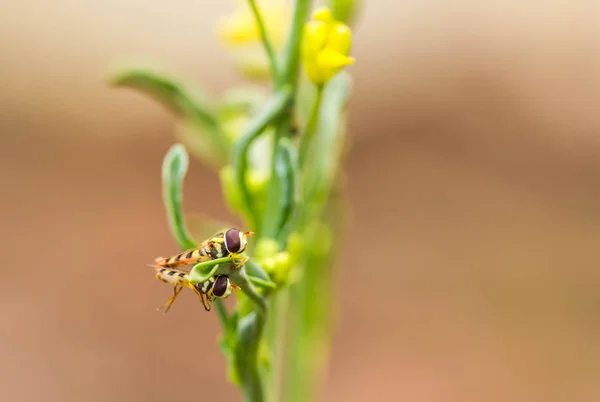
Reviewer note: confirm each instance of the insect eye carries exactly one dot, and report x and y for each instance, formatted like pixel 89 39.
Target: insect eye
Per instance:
pixel 232 240
pixel 220 287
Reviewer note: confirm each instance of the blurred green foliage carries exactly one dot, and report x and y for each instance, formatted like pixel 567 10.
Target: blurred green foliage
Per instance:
pixel 252 139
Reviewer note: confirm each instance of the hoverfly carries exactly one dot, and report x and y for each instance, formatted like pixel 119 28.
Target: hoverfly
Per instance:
pixel 223 244
pixel 211 289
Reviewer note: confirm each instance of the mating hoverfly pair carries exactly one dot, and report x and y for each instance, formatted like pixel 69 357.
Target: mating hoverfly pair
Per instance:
pixel 230 243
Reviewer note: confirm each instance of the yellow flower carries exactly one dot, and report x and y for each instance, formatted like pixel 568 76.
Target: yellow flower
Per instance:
pixel 325 46
pixel 239 32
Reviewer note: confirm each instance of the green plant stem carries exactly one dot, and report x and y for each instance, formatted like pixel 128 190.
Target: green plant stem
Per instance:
pixel 250 332
pixel 344 10
pixel 289 79
pixel 281 188
pixel 272 110
pixel 266 42
pixel 310 307
pixel 281 197
pixel 287 173
pixel 250 329
pixel 278 111
pixel 322 172
pixel 291 55
pixel 262 283
pixel 276 339
pixel 307 311
pixel 308 136
pixel 222 313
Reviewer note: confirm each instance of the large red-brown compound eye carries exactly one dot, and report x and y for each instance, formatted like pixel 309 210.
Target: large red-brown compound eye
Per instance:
pixel 220 286
pixel 232 241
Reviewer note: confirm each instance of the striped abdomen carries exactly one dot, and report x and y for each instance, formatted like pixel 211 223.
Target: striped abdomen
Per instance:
pixel 176 277
pixel 209 251
pixel 173 276
pixel 186 258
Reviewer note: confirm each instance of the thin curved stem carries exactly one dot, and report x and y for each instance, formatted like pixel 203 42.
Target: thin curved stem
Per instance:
pixel 311 127
pixel 264 36
pixel 272 110
pixel 291 55
pixel 222 312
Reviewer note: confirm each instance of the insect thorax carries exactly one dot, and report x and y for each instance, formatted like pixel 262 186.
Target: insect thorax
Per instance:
pixel 205 286
pixel 216 249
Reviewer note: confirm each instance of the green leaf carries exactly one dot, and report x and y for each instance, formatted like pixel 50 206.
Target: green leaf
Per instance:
pixel 262 283
pixel 205 270
pixel 287 173
pixel 250 330
pixel 273 109
pixel 167 91
pixel 242 101
pixel 323 170
pixel 192 109
pixel 228 342
pixel 174 168
pixel 281 199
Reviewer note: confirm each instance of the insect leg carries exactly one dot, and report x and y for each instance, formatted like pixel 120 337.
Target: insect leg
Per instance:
pixel 238 266
pixel 169 302
pixel 201 296
pixel 206 302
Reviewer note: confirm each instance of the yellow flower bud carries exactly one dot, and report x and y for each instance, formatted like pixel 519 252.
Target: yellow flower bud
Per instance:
pixel 240 35
pixel 322 14
pixel 326 45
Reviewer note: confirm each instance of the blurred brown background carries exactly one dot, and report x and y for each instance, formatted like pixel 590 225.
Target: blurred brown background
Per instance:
pixel 475 157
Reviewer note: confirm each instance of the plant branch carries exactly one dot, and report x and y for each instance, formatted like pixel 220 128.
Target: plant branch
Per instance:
pixel 282 195
pixel 272 110
pixel 222 312
pixel 308 136
pixel 177 99
pixel 309 313
pixel 279 186
pixel 291 55
pixel 266 41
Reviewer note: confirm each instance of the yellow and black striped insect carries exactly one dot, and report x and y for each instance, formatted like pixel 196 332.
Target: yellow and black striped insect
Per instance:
pixel 230 243
pixel 215 287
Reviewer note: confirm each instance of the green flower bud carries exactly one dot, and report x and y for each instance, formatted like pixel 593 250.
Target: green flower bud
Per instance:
pixel 265 248
pixel 257 181
pixel 344 10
